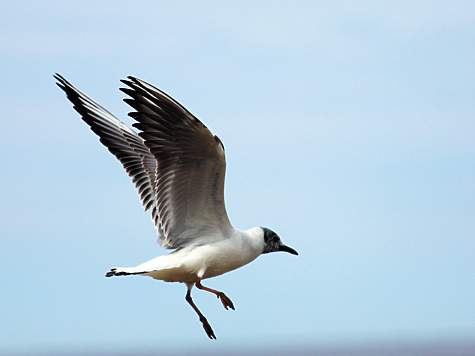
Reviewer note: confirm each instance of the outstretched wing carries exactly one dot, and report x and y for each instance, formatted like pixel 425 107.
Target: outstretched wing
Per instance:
pixel 122 142
pixel 177 165
pixel 191 165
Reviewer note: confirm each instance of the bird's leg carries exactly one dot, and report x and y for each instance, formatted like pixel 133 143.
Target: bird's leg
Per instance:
pixel 203 320
pixel 224 299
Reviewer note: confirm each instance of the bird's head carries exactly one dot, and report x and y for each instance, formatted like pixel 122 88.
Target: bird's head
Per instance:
pixel 272 243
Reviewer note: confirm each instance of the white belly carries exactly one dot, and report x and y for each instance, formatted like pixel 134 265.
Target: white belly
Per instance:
pixel 206 261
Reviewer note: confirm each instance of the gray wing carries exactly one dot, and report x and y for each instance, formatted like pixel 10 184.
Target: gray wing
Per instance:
pixel 177 165
pixel 191 165
pixel 121 141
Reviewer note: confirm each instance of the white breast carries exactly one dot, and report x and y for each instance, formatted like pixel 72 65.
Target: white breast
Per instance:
pixel 210 260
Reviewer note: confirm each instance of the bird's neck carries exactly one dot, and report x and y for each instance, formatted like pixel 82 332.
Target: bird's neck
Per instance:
pixel 254 239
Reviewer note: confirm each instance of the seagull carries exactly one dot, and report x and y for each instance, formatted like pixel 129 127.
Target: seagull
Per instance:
pixel 177 166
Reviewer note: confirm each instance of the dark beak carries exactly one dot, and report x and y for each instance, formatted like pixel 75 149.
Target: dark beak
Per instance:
pixel 287 249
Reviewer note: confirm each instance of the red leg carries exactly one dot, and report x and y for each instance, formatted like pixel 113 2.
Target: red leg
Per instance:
pixel 224 299
pixel 203 320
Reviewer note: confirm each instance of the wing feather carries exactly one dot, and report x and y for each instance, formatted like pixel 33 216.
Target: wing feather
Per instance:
pixel 176 164
pixel 122 142
pixel 191 166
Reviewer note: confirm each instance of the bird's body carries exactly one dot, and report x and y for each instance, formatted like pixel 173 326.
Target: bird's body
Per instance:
pixel 203 261
pixel 178 168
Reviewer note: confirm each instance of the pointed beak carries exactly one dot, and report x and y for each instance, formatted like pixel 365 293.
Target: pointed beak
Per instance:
pixel 287 249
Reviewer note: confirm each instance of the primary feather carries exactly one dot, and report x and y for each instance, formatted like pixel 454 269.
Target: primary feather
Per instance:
pixel 176 164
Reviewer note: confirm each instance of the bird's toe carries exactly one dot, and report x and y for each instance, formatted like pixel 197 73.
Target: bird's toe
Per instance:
pixel 227 303
pixel 209 331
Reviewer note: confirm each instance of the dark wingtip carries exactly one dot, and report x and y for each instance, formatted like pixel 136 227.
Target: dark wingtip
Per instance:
pixel 111 273
pixel 130 80
pixel 61 82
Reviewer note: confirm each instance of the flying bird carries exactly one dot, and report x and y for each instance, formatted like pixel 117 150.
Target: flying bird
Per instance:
pixel 178 167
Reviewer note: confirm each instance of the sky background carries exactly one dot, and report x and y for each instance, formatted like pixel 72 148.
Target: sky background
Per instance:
pixel 349 130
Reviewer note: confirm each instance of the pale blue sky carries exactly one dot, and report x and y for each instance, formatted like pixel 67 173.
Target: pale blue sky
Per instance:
pixel 349 130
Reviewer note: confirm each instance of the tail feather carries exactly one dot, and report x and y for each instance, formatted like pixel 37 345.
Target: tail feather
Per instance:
pixel 123 272
pixel 158 268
